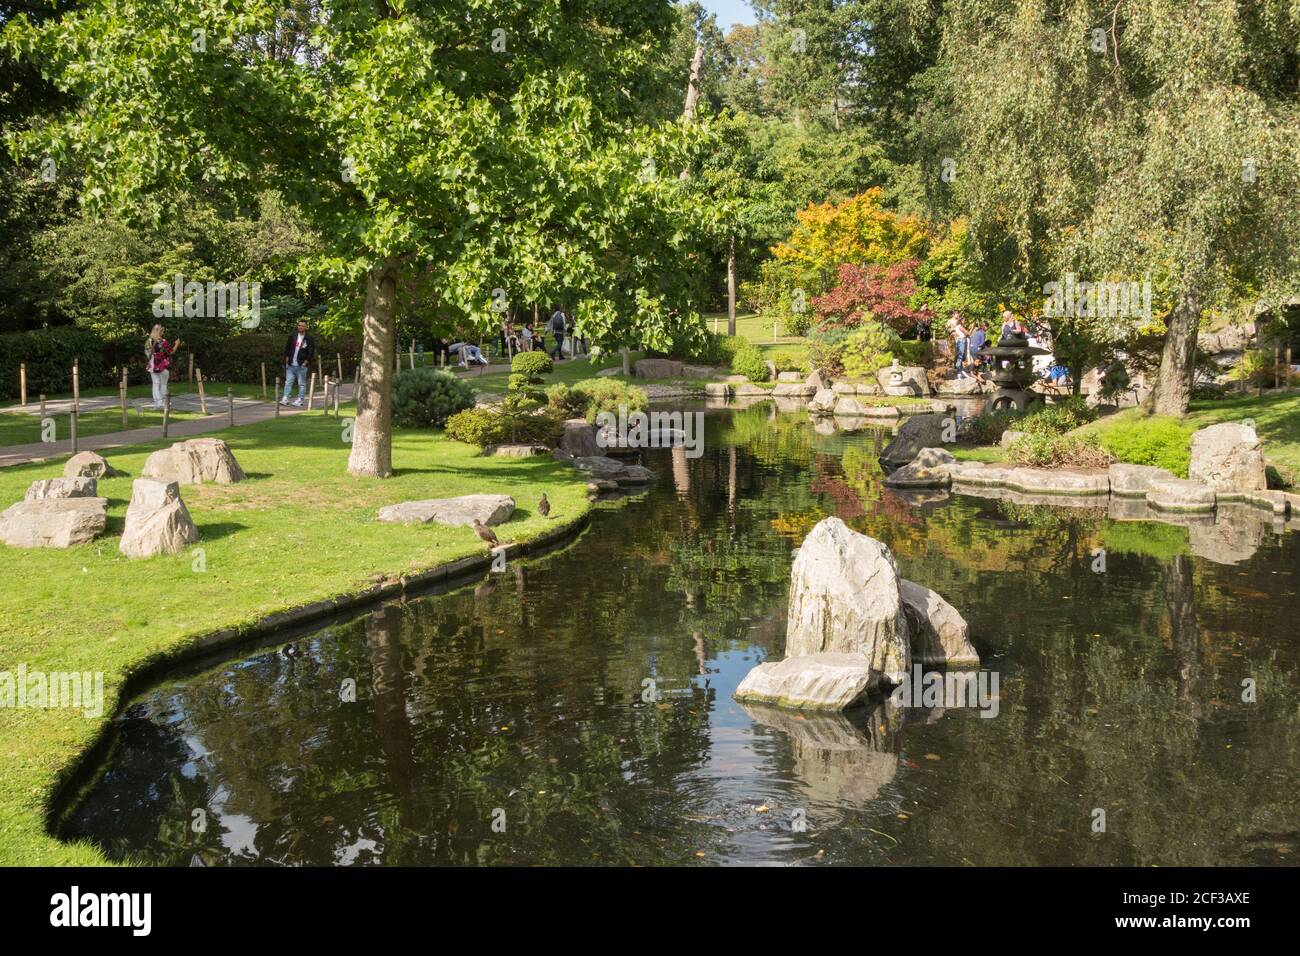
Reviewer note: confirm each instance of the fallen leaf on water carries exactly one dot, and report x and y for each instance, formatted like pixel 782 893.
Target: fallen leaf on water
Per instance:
pixel 933 757
pixel 904 816
pixel 762 809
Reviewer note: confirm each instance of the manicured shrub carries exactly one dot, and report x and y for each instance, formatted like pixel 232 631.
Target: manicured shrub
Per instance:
pixel 790 360
pixel 427 397
pixel 566 402
pixel 987 429
pixel 532 365
pixel 1150 440
pixel 866 350
pixel 485 426
pixel 1041 449
pixel 749 362
pixel 606 394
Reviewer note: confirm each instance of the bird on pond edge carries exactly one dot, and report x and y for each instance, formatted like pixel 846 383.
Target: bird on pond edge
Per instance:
pixel 486 534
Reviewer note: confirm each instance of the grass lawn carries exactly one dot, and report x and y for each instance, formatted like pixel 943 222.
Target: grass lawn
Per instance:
pixel 567 373
pixel 139 393
pixel 298 530
pixel 756 328
pixel 16 429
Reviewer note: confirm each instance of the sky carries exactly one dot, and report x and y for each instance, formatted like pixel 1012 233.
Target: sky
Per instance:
pixel 729 12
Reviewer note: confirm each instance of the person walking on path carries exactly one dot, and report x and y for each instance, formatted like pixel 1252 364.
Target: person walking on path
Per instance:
pixel 299 349
pixel 158 359
pixel 557 327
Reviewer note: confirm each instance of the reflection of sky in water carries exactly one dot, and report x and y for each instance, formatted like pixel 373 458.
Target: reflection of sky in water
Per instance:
pixel 524 693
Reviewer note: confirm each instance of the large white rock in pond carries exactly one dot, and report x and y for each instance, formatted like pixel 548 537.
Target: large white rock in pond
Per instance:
pixel 193 462
pixel 53 522
pixel 931 469
pixel 844 599
pixel 1228 457
pixel 157 521
pixel 822 402
pixel 939 634
pixel 88 464
pixel 462 511
pixel 815 681
pixel 62 488
pixel 930 430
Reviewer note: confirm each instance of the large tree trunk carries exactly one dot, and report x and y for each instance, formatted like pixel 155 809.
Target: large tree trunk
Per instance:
pixel 1173 390
pixel 372 436
pixel 693 83
pixel 731 287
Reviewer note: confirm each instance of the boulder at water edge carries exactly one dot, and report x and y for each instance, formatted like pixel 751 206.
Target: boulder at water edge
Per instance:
pixel 579 438
pixel 462 511
pixel 1228 457
pixel 918 432
pixel 62 488
pixel 939 635
pixel 193 462
pixel 157 521
pixel 822 402
pixel 88 464
pixel 53 522
pixel 932 468
pixel 658 368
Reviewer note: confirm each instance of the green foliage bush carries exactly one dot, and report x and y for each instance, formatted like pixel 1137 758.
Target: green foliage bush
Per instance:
pixel 987 429
pixel 49 354
pixel 867 349
pixel 427 397
pixel 606 394
pixel 532 365
pixel 749 362
pixel 1042 449
pixel 1150 440
pixel 1058 418
pixel 913 352
pixel 567 402
pixel 485 425
pixel 790 360
pixel 719 349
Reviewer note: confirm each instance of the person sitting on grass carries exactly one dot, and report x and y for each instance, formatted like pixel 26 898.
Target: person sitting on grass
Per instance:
pixel 298 351
pixel 469 354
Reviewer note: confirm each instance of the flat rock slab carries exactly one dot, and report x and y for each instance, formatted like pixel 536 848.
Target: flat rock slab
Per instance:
pixel 518 451
pixel 658 368
pixel 812 682
pixel 717 390
pixel 599 466
pixel 1134 481
pixel 462 511
pixel 193 462
pixel 930 469
pixel 1177 494
pixel 1058 481
pixel 958 386
pixel 157 521
pixel 749 390
pixel 53 522
pixel 62 488
pixel 979 474
pixel 794 390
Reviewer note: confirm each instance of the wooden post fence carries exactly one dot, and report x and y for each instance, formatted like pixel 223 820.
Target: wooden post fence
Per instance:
pixel 22 382
pixel 412 354
pixel 189 375
pixel 336 399
pixel 311 391
pixel 167 412
pixel 76 384
pixel 121 400
pixel 42 407
pixel 230 401
pixel 203 398
pixel 72 416
pixel 277 396
pixel 338 357
pixel 263 381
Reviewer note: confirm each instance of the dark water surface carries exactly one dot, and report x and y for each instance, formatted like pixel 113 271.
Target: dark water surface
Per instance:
pixel 520 700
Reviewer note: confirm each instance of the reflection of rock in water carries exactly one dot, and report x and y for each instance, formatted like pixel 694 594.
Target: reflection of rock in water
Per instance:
pixel 845 756
pixel 1234 536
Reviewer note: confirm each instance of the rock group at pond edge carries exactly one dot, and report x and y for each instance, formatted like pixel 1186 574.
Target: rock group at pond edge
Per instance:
pixel 854 625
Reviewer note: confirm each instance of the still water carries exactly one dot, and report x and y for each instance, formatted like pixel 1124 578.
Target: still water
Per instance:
pixel 513 722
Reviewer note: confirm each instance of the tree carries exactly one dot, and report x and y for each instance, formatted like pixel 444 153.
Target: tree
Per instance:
pixel 1143 139
pixel 424 142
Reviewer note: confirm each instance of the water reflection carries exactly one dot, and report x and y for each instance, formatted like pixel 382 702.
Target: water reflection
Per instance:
pixel 578 709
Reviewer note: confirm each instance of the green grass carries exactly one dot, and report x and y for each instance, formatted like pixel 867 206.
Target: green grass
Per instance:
pixel 756 328
pixel 1276 417
pixel 18 429
pixel 136 393
pixel 989 454
pixel 565 372
pixel 298 530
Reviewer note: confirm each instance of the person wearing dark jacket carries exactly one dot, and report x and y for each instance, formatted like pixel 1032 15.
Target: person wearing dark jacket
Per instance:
pixel 299 350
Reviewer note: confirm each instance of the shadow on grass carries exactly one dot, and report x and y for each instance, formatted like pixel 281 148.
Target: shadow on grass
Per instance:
pixel 216 530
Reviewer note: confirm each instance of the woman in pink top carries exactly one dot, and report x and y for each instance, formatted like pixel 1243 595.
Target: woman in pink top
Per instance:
pixel 158 359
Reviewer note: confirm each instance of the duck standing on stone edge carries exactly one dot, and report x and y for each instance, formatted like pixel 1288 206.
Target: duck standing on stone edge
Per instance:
pixel 486 534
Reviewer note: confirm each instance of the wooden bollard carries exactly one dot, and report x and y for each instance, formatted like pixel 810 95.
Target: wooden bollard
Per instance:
pixel 320 369
pixel 167 412
pixel 311 390
pixel 338 357
pixel 121 400
pixel 42 407
pixel 277 396
pixel 22 382
pixel 72 416
pixel 203 398
pixel 76 384
pixel 230 400
pixel 412 362
pixel 336 399
pixel 263 381
pixel 189 375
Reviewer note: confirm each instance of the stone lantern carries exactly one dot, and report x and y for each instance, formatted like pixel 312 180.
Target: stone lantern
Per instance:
pixel 1013 373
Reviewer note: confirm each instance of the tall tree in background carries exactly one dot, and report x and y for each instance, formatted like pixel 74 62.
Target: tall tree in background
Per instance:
pixel 1150 138
pixel 418 137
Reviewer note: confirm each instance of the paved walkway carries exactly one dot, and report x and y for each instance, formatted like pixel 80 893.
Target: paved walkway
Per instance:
pixel 247 412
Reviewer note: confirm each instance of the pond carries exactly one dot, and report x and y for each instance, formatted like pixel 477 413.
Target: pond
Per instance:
pixel 577 709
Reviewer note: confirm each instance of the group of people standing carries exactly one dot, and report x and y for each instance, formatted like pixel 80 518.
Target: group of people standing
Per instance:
pixel 561 326
pixel 970 338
